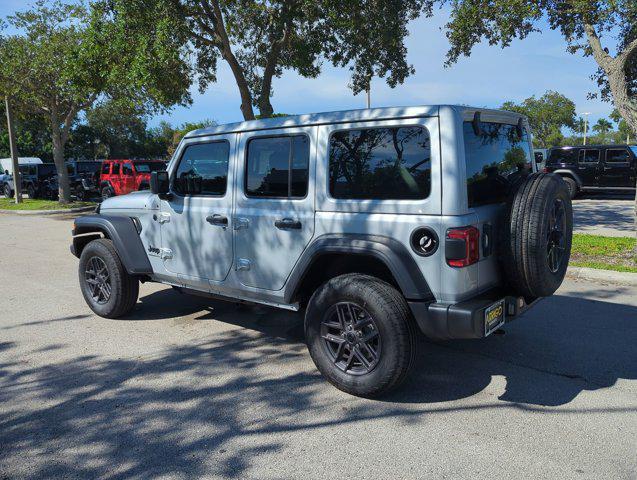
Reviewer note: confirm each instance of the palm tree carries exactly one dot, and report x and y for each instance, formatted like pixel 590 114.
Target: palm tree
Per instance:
pixel 602 127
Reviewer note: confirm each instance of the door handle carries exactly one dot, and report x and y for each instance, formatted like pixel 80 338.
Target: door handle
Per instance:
pixel 288 224
pixel 218 220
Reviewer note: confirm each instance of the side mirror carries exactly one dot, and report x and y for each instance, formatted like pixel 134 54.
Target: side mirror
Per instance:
pixel 159 182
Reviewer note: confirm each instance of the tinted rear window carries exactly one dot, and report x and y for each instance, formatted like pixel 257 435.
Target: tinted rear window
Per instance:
pixel 380 163
pixel 496 158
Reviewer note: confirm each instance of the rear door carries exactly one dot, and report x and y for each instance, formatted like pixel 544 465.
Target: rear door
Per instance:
pixel 589 166
pixel 618 170
pixel 128 178
pixel 274 207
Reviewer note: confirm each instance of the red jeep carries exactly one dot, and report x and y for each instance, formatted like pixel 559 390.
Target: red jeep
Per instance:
pixel 120 177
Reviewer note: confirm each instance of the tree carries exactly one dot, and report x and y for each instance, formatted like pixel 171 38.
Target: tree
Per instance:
pixel 590 27
pixel 603 127
pixel 547 115
pixel 623 133
pixel 261 39
pixel 66 58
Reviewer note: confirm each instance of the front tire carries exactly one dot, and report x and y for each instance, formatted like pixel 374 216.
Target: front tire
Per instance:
pixel 31 192
pixel 106 285
pixel 7 191
pixel 360 334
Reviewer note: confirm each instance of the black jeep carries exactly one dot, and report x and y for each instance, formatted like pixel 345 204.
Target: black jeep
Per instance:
pixel 595 167
pixel 84 178
pixel 39 181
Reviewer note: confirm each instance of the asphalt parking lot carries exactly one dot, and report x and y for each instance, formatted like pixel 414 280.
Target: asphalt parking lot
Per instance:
pixel 187 388
pixel 608 215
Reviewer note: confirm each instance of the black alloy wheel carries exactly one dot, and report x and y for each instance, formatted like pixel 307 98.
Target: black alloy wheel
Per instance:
pixel 556 244
pixel 351 338
pixel 98 279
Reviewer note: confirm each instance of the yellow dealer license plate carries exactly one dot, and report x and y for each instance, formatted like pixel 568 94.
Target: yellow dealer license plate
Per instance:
pixel 493 317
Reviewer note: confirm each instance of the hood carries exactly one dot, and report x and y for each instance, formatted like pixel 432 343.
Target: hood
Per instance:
pixel 142 200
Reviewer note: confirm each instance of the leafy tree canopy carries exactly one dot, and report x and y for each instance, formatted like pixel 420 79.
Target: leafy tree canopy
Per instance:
pixel 547 115
pixel 260 39
pixel 68 56
pixel 590 27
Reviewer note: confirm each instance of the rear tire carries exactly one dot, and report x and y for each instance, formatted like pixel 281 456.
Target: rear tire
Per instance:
pixel 7 191
pixel 360 334
pixel 106 285
pixel 573 189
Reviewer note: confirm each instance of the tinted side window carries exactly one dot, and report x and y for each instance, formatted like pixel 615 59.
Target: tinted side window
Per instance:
pixel 127 169
pixel 617 156
pixel 589 156
pixel 203 169
pixel 497 159
pixel 277 167
pixel 380 163
pixel 560 155
pixel 106 168
pixel 115 169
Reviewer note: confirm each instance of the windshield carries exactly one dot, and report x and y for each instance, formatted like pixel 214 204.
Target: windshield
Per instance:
pixel 149 167
pixel 634 149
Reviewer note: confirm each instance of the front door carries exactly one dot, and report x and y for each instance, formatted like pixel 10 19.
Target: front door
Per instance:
pixel 618 170
pixel 274 213
pixel 588 166
pixel 196 234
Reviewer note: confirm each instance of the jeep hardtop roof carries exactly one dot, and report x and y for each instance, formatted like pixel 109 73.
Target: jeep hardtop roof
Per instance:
pixel 345 116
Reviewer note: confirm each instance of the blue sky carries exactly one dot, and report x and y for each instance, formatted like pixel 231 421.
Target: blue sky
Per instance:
pixel 488 78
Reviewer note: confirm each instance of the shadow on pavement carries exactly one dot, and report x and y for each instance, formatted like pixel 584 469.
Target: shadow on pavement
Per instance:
pixel 184 410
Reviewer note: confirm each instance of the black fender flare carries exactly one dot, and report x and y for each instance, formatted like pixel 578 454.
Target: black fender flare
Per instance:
pixel 121 231
pixel 391 252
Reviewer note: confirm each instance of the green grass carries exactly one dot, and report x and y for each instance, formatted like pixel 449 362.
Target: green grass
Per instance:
pixel 28 204
pixel 605 253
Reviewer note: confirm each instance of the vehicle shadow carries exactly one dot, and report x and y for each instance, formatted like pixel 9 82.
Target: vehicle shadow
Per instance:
pixel 564 345
pixel 212 406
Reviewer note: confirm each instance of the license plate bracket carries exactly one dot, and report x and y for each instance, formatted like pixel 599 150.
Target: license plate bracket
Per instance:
pixel 494 316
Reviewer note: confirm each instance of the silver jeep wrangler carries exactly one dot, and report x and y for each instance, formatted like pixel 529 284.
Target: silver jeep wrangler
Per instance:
pixel 375 223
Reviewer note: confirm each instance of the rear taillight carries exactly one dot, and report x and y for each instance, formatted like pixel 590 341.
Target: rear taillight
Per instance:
pixel 462 246
pixel 545 170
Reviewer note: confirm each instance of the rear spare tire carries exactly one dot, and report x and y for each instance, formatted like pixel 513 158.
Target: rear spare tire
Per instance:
pixel 538 234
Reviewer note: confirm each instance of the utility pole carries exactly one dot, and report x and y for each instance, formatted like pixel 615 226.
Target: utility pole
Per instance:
pixel 586 114
pixel 17 181
pixel 369 97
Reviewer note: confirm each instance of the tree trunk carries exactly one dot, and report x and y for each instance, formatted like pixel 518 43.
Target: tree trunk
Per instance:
pixel 627 107
pixel 17 181
pixel 615 70
pixel 64 191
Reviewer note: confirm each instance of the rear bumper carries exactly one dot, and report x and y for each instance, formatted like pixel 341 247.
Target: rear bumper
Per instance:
pixel 442 321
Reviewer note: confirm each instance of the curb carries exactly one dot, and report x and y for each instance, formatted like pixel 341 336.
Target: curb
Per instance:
pixel 602 276
pixel 48 212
